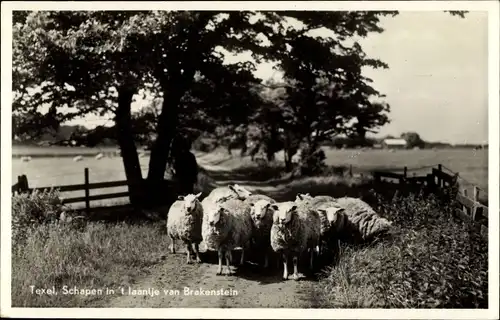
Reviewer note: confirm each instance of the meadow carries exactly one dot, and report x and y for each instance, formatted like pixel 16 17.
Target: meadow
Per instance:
pixel 60 169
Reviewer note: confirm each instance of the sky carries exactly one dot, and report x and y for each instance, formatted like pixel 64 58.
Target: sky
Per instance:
pixel 437 81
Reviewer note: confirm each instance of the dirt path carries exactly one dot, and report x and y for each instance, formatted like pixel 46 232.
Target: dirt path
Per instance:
pixel 249 287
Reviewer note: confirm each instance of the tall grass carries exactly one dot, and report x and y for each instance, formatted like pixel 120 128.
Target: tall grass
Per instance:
pixel 91 255
pixel 432 260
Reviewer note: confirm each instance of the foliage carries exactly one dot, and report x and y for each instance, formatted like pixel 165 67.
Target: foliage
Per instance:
pixel 32 209
pixel 432 260
pixel 413 140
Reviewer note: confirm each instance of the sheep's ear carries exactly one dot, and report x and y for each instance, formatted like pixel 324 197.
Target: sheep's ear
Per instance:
pixel 181 198
pixel 321 210
pixel 197 195
pixel 300 196
pixel 274 207
pixel 293 208
pixel 233 187
pixel 252 204
pixel 268 205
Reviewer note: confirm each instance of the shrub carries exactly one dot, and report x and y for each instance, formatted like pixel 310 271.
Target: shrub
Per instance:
pixel 312 161
pixel 204 144
pixel 32 209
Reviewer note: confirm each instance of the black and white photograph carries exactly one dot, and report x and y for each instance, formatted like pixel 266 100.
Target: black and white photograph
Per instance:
pixel 308 159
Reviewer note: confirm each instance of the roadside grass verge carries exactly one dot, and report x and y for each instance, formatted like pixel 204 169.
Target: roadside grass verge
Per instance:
pixel 431 260
pixel 51 252
pixel 96 256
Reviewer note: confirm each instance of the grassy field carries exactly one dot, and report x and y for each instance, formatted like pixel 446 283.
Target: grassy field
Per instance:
pixel 431 259
pixel 62 170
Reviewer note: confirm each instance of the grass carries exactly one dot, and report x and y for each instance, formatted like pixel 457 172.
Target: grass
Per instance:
pixel 431 261
pixel 96 255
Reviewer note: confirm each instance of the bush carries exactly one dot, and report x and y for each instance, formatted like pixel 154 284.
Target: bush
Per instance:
pixel 205 144
pixel 433 260
pixel 312 162
pixel 32 209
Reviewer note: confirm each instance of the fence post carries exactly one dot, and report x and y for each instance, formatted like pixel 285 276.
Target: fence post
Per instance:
pixel 22 183
pixel 87 191
pixel 440 181
pixel 464 208
pixel 475 196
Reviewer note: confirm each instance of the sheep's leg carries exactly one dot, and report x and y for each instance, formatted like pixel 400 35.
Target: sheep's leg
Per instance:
pixel 285 266
pixel 311 259
pixel 337 251
pixel 172 245
pixel 219 270
pixel 197 252
pixel 295 267
pixel 229 258
pixel 189 251
pixel 242 259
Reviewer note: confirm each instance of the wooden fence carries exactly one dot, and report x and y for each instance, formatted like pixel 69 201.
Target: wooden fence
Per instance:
pixel 469 208
pixel 23 186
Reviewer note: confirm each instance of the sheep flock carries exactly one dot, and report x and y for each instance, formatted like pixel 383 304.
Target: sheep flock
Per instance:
pixel 233 218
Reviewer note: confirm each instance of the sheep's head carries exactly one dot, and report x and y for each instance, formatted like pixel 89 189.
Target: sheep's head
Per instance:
pixel 333 213
pixel 215 217
pixel 240 191
pixel 259 210
pixel 191 201
pixel 283 213
pixel 303 197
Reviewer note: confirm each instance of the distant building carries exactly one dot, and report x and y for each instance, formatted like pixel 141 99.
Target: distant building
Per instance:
pixel 394 143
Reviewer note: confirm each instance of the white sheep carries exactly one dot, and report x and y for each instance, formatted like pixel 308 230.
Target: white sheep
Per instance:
pixel 26 159
pixel 295 229
pixel 362 221
pixel 333 225
pixel 184 223
pixel 232 191
pixel 227 225
pixel 99 156
pixel 78 158
pixel 262 218
pixel 314 203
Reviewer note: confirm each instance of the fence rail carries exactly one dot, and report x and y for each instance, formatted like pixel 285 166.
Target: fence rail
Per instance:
pixel 468 209
pixel 22 185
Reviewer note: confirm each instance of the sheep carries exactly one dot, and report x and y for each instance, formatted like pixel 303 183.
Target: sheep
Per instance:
pixel 262 218
pixel 333 225
pixel 78 158
pixel 99 156
pixel 227 225
pixel 362 221
pixel 314 203
pixel 232 191
pixel 184 223
pixel 295 229
pixel 26 159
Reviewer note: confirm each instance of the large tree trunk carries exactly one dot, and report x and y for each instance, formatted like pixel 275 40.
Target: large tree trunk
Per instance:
pixel 128 149
pixel 167 127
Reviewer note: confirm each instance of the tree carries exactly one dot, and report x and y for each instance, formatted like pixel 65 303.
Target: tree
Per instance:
pixel 96 61
pixel 413 140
